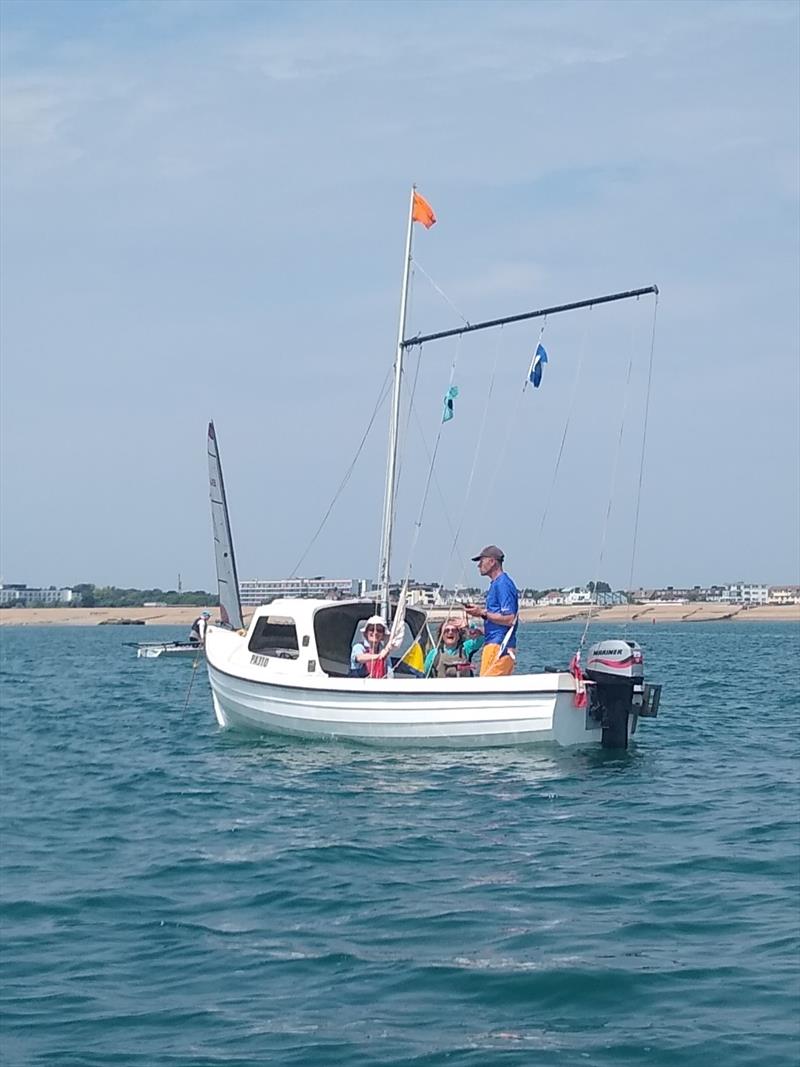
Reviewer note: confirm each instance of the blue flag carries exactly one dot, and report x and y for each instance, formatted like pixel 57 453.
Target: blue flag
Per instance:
pixel 539 359
pixel 449 397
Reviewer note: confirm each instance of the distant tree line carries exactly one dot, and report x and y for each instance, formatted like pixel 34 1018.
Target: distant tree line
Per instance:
pixel 112 596
pixel 598 587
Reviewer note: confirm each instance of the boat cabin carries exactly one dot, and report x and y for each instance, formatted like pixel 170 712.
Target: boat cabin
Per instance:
pixel 319 634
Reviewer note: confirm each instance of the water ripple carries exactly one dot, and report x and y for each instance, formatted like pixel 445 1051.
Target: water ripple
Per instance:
pixel 175 895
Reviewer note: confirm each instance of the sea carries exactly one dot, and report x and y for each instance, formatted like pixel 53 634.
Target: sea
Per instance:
pixel 175 894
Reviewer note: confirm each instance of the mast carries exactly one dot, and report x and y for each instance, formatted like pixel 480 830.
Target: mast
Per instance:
pixel 394 423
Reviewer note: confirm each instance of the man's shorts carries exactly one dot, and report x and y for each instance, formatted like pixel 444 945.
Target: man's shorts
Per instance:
pixel 493 665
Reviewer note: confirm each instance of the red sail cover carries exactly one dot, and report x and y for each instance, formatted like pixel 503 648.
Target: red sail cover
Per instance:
pixel 580 686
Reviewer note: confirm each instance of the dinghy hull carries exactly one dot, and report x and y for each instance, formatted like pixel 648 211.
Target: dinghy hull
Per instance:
pixel 172 650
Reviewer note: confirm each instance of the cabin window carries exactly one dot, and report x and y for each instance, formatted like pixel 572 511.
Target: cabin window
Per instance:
pixel 275 635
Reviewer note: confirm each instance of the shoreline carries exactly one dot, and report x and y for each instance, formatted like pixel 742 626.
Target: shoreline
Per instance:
pixel 636 613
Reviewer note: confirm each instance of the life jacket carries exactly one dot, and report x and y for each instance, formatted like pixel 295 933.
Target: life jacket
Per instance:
pixel 376 668
pixel 447 666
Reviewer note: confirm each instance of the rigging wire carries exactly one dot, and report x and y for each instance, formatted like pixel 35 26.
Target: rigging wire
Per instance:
pixel 475 454
pixel 401 436
pixel 384 552
pixel 451 605
pixel 641 457
pixel 570 409
pixel 436 481
pixel 513 421
pixel 416 265
pixel 407 427
pixel 378 404
pixel 432 456
pixel 443 503
pixel 432 472
pixel 431 469
pixel 191 680
pixel 441 293
pixel 612 488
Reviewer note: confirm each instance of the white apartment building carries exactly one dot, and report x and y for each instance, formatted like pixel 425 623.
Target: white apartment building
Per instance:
pixel 255 591
pixel 742 593
pixel 784 594
pixel 424 596
pixel 572 594
pixel 22 594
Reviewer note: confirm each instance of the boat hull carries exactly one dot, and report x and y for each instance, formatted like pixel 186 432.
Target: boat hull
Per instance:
pixel 409 712
pixel 172 651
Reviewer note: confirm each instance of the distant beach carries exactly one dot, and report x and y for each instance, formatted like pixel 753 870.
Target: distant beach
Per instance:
pixel 655 613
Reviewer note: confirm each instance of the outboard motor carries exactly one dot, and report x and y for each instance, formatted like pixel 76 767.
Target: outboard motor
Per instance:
pixel 615 671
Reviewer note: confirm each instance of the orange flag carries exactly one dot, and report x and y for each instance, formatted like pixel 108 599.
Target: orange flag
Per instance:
pixel 422 211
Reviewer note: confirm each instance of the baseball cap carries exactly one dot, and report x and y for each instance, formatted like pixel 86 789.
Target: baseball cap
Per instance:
pixel 490 552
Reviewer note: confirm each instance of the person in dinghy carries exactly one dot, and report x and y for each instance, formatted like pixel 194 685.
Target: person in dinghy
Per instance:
pixel 197 635
pixel 369 655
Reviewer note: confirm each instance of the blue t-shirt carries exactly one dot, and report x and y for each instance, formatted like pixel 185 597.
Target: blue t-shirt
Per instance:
pixel 503 599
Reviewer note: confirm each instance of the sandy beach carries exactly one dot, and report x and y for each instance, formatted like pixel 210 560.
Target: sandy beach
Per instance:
pixel 184 616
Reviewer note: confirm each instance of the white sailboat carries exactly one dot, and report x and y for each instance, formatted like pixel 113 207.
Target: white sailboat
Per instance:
pixel 288 672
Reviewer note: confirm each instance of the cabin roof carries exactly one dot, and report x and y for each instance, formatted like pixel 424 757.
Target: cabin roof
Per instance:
pixel 303 609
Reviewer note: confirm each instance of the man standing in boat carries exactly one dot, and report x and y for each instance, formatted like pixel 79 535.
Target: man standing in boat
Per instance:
pixel 500 615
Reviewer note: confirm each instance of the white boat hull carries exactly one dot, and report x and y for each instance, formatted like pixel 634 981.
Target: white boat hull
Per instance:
pixel 462 713
pixel 171 650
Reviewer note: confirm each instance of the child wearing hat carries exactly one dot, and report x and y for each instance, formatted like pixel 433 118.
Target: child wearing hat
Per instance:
pixel 368 656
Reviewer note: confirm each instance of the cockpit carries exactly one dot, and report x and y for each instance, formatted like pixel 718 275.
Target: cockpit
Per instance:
pixel 335 628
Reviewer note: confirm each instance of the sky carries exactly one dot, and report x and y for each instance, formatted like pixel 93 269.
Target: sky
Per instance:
pixel 203 210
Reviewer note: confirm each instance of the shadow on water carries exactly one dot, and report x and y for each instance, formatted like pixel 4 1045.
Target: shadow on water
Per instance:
pixel 540 761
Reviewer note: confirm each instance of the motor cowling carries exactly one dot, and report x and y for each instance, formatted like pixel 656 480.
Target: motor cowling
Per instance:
pixel 615 673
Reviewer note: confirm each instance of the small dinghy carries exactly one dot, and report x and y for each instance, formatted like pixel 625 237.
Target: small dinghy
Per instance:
pixel 172 649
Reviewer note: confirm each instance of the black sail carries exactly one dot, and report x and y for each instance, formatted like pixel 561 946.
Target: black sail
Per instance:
pixel 230 608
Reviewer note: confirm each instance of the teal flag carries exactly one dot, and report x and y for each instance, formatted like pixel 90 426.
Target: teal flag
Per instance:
pixel 449 397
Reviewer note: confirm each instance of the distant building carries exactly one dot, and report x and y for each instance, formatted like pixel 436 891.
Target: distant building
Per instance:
pixel 552 599
pixel 784 594
pixel 420 594
pixel 255 591
pixel 607 600
pixel 570 595
pixel 25 595
pixel 424 596
pixel 742 593
pixel 669 595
